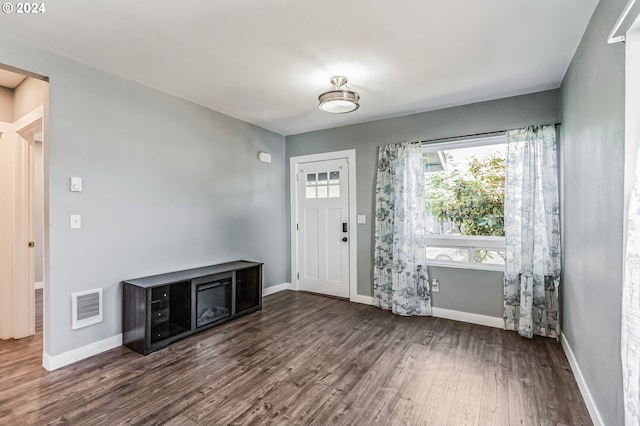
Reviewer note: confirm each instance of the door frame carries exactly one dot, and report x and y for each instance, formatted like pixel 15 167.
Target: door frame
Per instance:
pixel 21 124
pixel 294 162
pixel 27 127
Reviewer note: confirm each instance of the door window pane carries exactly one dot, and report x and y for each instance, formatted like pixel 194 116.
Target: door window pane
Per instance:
pixel 322 192
pixel 311 179
pixel 311 192
pixel 323 185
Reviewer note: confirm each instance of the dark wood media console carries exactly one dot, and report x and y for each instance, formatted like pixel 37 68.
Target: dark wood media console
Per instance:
pixel 161 309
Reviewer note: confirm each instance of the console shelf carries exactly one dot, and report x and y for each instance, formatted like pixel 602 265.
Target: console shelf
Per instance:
pixel 161 309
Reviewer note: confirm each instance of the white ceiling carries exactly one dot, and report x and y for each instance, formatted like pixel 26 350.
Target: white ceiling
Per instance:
pixel 266 61
pixel 10 79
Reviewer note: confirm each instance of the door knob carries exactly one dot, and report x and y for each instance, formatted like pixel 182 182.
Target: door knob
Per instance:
pixel 344 239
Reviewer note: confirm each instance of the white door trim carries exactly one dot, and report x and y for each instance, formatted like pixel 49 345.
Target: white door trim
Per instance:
pixel 350 156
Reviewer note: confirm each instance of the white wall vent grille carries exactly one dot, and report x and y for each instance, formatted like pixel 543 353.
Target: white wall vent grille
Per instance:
pixel 86 308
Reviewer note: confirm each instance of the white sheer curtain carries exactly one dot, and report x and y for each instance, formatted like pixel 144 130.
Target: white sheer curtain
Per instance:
pixel 532 232
pixel 400 281
pixel 630 335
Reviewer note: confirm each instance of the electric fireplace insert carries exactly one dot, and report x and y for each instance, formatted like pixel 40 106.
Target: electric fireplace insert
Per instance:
pixel 213 301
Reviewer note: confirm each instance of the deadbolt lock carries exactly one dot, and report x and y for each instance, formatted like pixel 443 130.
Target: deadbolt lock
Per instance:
pixel 32 244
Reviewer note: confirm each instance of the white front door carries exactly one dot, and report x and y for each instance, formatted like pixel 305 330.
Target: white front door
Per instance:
pixel 322 194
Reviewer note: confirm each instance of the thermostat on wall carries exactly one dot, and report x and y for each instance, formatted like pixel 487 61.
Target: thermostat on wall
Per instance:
pixel 265 157
pixel 75 184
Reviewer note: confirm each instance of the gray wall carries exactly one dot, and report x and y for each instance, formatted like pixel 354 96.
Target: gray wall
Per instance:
pixel 519 111
pixel 467 290
pixel 168 185
pixel 592 152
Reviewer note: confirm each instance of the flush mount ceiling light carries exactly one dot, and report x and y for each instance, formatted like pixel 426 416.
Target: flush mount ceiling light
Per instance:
pixel 339 100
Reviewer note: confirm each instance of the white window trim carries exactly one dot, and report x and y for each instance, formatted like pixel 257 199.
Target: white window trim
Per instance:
pixel 475 241
pixel 466 242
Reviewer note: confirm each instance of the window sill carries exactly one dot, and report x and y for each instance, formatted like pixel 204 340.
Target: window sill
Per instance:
pixel 477 267
pixel 474 241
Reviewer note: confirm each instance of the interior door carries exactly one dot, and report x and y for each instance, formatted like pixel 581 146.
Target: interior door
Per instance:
pixel 322 227
pixel 17 302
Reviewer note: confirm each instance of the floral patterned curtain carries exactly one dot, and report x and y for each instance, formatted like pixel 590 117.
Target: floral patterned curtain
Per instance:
pixel 532 233
pixel 400 281
pixel 630 336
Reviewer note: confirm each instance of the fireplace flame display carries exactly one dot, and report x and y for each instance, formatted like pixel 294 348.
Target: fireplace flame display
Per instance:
pixel 214 302
pixel 212 314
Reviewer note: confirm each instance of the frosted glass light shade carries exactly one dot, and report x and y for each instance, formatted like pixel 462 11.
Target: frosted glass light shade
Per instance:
pixel 338 100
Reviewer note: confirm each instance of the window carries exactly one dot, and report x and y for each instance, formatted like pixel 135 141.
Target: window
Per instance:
pixel 323 185
pixel 464 202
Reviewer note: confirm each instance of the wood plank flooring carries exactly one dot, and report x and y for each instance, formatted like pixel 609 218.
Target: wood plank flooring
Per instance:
pixel 306 360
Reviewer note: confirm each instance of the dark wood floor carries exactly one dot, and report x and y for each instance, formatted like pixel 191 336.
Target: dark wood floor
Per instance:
pixel 304 359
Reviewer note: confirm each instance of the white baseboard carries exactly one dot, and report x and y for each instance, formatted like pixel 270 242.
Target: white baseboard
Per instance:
pixel 58 361
pixel 582 385
pixel 496 322
pixel 365 300
pixel 39 285
pixel 276 289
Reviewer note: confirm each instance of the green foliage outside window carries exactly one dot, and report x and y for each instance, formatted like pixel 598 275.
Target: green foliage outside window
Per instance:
pixel 473 202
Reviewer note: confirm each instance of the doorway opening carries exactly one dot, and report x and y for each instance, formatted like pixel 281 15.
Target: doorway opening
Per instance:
pixel 24 242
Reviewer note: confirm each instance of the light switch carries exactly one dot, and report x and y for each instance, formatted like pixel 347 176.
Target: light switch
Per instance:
pixel 76 221
pixel 362 218
pixel 75 184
